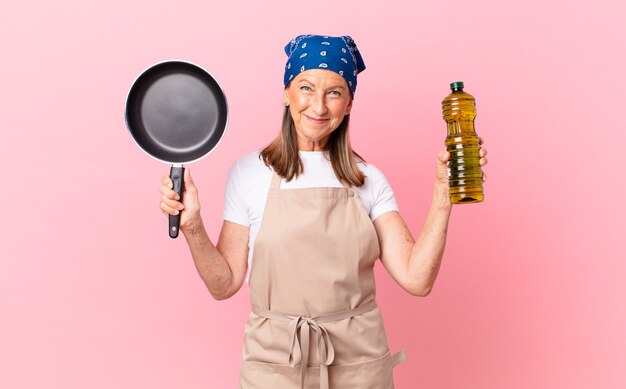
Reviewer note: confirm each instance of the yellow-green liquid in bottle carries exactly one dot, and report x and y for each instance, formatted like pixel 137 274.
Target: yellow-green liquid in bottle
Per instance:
pixel 464 174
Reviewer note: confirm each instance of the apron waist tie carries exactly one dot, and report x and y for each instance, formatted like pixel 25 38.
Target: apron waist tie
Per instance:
pixel 302 325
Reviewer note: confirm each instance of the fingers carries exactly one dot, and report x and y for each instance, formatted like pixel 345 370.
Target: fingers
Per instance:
pixel 171 209
pixel 172 203
pixel 166 188
pixel 166 183
pixel 483 161
pixel 169 193
pixel 168 202
pixel 482 152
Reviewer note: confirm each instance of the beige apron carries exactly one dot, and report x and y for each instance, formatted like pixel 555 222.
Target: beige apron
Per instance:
pixel 314 320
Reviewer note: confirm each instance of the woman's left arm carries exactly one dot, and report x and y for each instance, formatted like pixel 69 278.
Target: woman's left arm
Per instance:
pixel 414 264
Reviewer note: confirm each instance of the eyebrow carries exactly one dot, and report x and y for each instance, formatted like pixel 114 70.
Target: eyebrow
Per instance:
pixel 338 86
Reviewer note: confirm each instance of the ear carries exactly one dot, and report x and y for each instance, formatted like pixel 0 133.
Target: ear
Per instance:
pixel 349 107
pixel 286 96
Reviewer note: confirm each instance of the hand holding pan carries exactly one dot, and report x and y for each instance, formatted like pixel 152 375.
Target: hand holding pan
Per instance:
pixel 176 112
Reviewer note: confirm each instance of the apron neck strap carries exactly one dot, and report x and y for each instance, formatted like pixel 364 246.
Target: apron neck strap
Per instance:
pixel 275 181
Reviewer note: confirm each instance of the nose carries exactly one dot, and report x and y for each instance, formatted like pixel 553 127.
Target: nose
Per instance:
pixel 318 103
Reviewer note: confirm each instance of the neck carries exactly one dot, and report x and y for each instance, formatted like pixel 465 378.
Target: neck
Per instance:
pixel 307 145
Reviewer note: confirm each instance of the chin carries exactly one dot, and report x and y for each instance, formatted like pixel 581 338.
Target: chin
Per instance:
pixel 317 138
pixel 314 135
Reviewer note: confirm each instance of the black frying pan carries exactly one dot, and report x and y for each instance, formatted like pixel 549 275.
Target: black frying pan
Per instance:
pixel 176 112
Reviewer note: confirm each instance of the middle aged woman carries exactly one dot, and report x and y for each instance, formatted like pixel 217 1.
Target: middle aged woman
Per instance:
pixel 308 217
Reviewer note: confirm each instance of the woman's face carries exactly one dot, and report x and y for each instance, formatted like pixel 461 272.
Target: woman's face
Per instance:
pixel 318 100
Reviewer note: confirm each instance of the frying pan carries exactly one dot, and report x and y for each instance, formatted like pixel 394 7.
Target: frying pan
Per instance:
pixel 176 112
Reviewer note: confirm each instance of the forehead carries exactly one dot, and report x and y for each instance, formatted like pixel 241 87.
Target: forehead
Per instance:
pixel 321 76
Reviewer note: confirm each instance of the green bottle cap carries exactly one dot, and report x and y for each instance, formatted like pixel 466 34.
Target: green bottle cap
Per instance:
pixel 458 85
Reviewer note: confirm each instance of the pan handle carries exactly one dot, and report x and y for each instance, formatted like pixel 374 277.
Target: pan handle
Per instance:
pixel 177 172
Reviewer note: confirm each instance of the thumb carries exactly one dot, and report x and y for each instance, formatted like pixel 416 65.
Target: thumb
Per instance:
pixel 442 165
pixel 187 178
pixel 442 158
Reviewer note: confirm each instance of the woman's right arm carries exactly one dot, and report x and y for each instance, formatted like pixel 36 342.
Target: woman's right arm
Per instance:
pixel 222 267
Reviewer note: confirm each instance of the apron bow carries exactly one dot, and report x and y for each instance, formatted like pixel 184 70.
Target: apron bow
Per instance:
pixel 300 328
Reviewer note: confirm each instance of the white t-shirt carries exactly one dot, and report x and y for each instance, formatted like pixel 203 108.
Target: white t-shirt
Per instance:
pixel 249 182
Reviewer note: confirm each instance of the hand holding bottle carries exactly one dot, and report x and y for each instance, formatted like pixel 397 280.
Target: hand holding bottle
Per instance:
pixel 443 157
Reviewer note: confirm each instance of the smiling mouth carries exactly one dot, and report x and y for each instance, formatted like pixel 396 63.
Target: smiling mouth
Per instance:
pixel 316 121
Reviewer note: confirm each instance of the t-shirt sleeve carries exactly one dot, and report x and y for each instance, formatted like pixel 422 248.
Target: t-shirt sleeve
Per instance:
pixel 383 198
pixel 235 210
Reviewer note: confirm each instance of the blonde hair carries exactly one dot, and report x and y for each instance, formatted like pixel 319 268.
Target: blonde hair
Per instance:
pixel 282 154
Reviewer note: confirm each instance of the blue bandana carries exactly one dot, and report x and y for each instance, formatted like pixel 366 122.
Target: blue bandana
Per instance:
pixel 338 54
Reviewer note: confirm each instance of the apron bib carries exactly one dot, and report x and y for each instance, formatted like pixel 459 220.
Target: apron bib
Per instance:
pixel 314 320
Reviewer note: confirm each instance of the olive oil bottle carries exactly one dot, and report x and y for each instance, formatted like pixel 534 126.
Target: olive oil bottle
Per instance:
pixel 464 173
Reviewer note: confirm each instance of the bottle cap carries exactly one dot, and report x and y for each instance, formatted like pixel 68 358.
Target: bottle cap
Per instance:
pixel 458 85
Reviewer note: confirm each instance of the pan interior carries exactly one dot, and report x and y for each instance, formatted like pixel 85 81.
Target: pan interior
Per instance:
pixel 176 112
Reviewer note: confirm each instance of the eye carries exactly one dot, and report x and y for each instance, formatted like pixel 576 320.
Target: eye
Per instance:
pixel 335 93
pixel 305 88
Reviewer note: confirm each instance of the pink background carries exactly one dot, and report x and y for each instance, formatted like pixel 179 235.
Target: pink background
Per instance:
pixel 94 294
